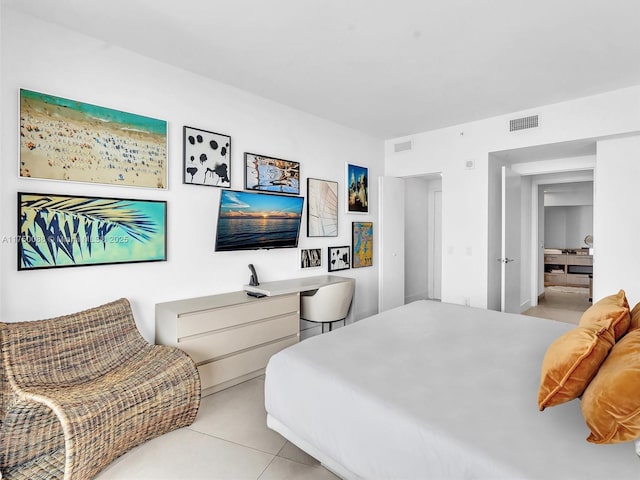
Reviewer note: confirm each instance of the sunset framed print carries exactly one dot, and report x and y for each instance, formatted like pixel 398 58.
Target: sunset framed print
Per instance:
pixel 69 231
pixel 362 244
pixel 207 158
pixel 357 186
pixel 62 139
pixel 322 208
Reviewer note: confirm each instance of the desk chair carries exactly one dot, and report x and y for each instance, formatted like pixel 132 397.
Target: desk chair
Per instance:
pixel 327 304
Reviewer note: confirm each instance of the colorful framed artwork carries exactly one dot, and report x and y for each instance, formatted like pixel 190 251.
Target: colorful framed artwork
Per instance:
pixel 68 231
pixel 357 183
pixel 322 208
pixel 362 244
pixel 339 258
pixel 62 139
pixel 207 158
pixel 269 174
pixel 310 257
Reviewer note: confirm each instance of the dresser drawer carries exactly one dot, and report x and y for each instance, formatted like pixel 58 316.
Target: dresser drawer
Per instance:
pixel 559 258
pixel 555 279
pixel 225 369
pixel 218 318
pixel 222 342
pixel 578 280
pixel 579 260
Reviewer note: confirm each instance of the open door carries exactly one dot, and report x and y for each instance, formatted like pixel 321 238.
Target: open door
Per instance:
pixel 391 268
pixel 510 250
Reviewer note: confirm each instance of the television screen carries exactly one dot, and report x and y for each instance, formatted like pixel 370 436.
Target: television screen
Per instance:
pixel 251 220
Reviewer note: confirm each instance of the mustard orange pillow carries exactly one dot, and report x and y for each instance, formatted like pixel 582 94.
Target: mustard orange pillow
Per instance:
pixel 611 402
pixel 614 308
pixel 571 361
pixel 635 318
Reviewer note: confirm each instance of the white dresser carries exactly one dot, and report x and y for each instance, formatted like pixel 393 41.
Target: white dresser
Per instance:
pixel 230 336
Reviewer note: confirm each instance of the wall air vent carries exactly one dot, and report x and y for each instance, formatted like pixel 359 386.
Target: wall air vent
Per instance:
pixel 403 146
pixel 523 123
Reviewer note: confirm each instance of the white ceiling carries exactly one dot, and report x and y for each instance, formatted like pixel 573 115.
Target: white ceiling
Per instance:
pixel 388 68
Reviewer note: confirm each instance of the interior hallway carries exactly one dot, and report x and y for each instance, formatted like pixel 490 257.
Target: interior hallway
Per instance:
pixel 566 304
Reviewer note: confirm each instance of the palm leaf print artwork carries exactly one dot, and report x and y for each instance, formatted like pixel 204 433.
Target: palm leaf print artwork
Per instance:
pixel 62 230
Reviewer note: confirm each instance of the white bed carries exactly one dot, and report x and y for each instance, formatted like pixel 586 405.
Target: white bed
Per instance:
pixel 434 391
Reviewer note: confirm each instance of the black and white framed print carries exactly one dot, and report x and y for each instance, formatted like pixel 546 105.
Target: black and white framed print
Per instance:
pixel 310 257
pixel 339 258
pixel 207 158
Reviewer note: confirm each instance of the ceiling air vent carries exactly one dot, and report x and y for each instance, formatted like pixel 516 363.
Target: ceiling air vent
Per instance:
pixel 523 123
pixel 403 146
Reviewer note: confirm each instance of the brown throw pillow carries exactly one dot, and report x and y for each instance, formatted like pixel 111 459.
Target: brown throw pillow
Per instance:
pixel 635 318
pixel 614 308
pixel 571 361
pixel 611 402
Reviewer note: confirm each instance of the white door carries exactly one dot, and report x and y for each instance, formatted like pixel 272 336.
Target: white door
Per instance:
pixel 510 253
pixel 436 271
pixel 391 268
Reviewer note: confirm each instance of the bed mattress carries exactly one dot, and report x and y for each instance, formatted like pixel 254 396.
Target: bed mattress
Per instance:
pixel 434 391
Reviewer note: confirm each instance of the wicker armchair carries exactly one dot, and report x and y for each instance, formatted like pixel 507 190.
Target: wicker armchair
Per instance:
pixel 82 389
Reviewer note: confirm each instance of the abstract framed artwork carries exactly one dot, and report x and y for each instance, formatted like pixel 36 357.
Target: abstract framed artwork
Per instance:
pixel 68 231
pixel 207 158
pixel 310 258
pixel 362 244
pixel 62 139
pixel 357 184
pixel 322 208
pixel 339 258
pixel 269 174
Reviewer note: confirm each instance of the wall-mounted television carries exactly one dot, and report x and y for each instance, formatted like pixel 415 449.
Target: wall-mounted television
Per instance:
pixel 252 221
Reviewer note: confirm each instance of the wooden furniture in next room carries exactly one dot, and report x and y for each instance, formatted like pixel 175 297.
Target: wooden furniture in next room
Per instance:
pixel 567 269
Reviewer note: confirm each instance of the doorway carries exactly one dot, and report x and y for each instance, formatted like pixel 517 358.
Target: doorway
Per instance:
pixel 547 164
pixel 410 239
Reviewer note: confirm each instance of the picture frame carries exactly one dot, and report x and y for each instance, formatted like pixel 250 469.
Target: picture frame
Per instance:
pixel 310 257
pixel 322 208
pixel 270 174
pixel 206 158
pixel 338 258
pixel 68 140
pixel 357 188
pixel 56 230
pixel 361 244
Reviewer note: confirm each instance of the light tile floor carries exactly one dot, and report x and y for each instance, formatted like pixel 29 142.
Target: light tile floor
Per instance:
pixel 563 304
pixel 228 440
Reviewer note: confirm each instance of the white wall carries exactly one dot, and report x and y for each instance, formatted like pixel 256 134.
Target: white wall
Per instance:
pixel 566 227
pixel 465 191
pixel 615 219
pixel 43 57
pixel 415 239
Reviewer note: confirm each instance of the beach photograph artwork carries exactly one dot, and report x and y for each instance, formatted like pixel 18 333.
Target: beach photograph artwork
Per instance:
pixel 62 139
pixel 68 230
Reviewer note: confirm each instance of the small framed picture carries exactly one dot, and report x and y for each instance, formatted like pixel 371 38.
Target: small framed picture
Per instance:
pixel 207 158
pixel 269 174
pixel 310 257
pixel 339 258
pixel 322 208
pixel 362 244
pixel 357 186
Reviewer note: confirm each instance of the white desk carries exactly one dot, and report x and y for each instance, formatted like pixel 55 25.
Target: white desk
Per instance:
pixel 294 285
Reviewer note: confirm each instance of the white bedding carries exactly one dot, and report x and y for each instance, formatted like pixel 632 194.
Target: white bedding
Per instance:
pixel 434 391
